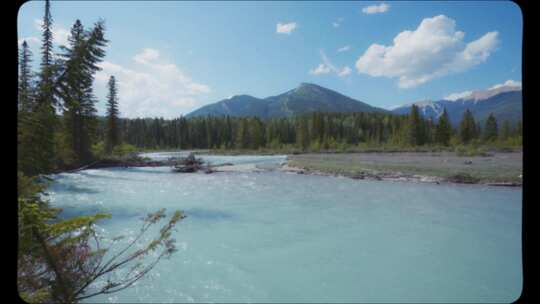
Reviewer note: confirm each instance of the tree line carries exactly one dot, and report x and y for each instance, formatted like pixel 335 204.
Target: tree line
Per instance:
pixel 57 118
pixel 313 131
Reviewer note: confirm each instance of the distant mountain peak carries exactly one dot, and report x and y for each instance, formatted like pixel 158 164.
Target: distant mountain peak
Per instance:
pixel 308 84
pixel 504 101
pixel 479 95
pixel 241 96
pixel 425 106
pixel 485 94
pixel 307 97
pixel 423 103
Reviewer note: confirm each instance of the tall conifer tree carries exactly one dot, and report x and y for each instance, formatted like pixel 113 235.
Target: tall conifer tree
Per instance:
pixel 415 136
pixel 80 59
pixel 443 131
pixel 113 136
pixel 25 79
pixel 302 133
pixel 505 132
pixel 36 138
pixel 467 127
pixel 491 131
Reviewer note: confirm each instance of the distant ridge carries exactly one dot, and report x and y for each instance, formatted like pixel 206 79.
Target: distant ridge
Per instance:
pixel 505 102
pixel 305 98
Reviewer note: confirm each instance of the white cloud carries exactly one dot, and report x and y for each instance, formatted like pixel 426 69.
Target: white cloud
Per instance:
pixel 346 71
pixel 375 9
pixel 344 49
pixel 338 22
pixel 152 87
pixel 508 83
pixel 146 56
pixel 60 34
pixel 433 50
pixel 327 67
pixel 321 69
pixel 285 28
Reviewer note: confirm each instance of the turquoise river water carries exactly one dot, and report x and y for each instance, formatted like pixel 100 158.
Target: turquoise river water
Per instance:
pixel 274 236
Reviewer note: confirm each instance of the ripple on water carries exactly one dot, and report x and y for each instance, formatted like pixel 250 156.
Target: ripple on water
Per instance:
pixel 278 237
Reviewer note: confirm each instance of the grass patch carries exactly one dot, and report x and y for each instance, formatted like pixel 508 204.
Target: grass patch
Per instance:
pixel 463 178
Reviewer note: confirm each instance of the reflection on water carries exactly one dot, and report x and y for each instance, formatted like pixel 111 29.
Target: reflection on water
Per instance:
pixel 277 237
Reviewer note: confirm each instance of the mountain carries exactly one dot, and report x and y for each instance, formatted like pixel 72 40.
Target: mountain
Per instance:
pixel 305 98
pixel 505 102
pixel 239 105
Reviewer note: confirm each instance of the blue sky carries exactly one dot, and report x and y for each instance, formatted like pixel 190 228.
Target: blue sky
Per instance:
pixel 173 57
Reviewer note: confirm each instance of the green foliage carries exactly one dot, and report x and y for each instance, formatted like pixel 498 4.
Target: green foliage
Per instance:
pixel 463 178
pixel 416 132
pixel 319 131
pixel 112 132
pixel 471 150
pixel 468 128
pixel 36 146
pixel 64 155
pixel 443 131
pixel 302 134
pixel 98 149
pixel 505 130
pixel 26 89
pixel 491 131
pixel 57 261
pixel 124 150
pixel 79 64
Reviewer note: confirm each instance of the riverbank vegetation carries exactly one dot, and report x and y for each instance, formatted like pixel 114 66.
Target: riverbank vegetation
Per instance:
pixel 65 260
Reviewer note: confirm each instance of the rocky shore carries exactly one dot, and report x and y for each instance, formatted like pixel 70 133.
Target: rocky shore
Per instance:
pixel 398 176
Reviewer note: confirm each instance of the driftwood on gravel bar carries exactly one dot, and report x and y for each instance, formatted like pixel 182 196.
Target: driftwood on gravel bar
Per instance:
pixel 190 164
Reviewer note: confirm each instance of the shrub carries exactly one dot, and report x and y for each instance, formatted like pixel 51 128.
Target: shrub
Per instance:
pixel 98 149
pixel 462 178
pixel 123 150
pixel 471 150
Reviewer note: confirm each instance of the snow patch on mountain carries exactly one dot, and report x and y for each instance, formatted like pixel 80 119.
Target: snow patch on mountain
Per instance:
pixel 479 95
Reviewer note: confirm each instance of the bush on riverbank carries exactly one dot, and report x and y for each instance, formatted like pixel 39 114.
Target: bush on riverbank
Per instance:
pixel 59 260
pixel 462 178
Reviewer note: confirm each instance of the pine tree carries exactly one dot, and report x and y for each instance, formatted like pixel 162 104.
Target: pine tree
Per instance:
pixel 36 133
pixel 242 134
pixel 46 83
pixel 25 79
pixel 302 134
pixel 112 133
pixel 505 130
pixel 46 47
pixel 256 133
pixel 467 127
pixel 443 130
pixel 416 135
pixel 80 60
pixel 491 130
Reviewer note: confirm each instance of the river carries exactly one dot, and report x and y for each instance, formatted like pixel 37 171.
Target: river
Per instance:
pixel 273 236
